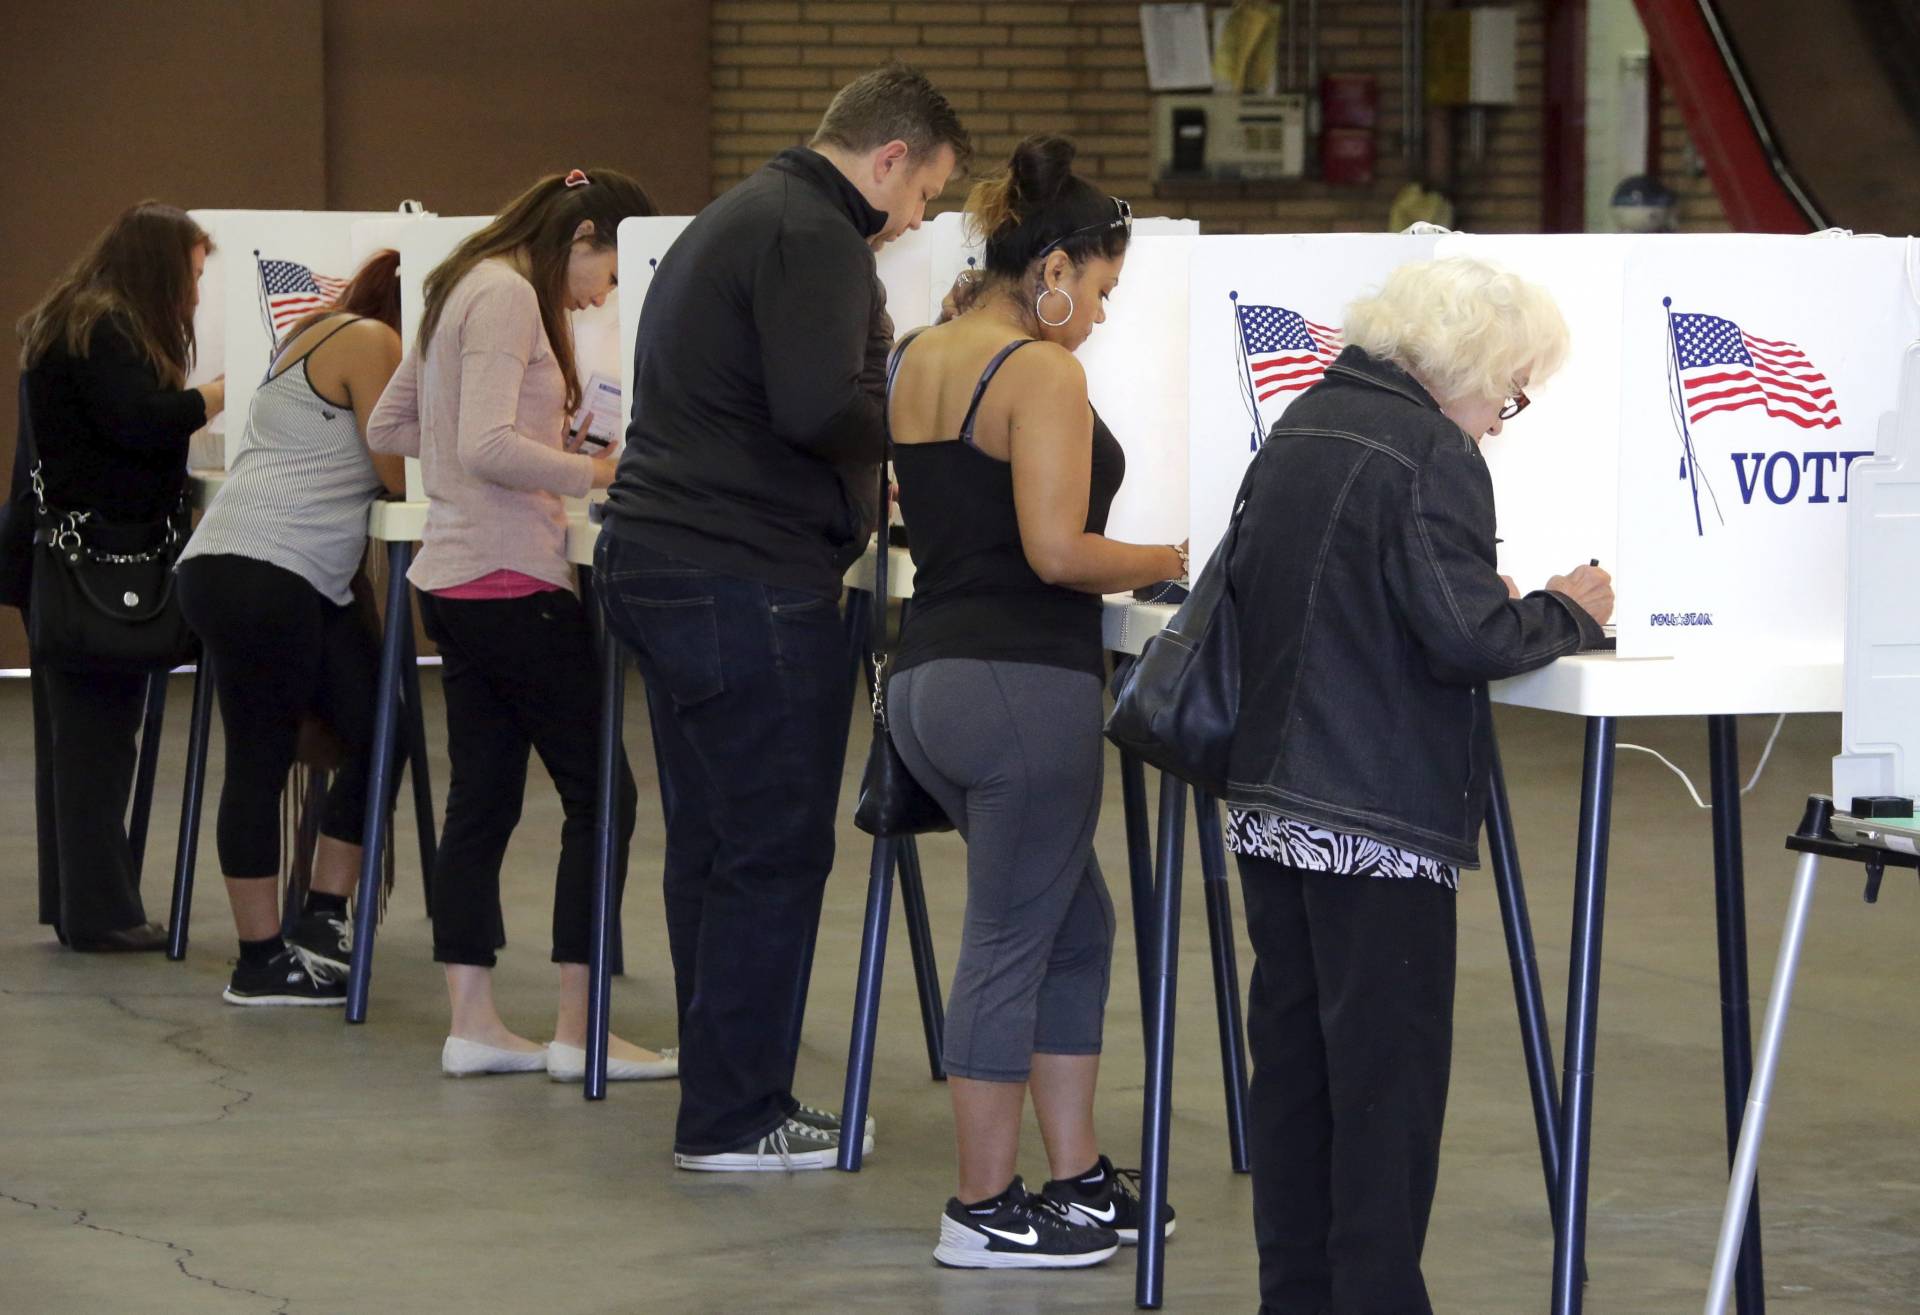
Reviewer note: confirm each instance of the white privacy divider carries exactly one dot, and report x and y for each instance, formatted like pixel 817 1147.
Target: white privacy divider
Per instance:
pixel 422 244
pixel 268 268
pixel 1555 467
pixel 1264 321
pixel 643 241
pixel 1880 726
pixel 1754 371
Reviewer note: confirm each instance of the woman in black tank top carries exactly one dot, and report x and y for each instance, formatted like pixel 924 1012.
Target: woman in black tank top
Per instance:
pixel 1006 476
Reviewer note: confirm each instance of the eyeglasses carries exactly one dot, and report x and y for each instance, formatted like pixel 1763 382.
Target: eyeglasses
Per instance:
pixel 1122 218
pixel 1516 404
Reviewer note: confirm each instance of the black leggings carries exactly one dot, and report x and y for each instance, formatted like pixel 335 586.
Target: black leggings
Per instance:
pixel 520 676
pixel 280 651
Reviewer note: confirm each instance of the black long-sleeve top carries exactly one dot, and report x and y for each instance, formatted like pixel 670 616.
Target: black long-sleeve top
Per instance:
pixel 111 440
pixel 756 405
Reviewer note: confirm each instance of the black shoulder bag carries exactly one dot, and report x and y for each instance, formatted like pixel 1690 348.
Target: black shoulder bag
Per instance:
pixel 892 803
pixel 1177 706
pixel 101 594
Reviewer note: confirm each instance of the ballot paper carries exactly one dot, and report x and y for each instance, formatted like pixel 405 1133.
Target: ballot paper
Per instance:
pixel 600 417
pixel 1176 40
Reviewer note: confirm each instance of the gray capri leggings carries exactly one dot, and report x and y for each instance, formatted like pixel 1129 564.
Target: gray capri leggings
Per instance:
pixel 1012 751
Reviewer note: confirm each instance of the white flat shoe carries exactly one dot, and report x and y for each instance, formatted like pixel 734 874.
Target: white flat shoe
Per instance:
pixel 569 1064
pixel 460 1058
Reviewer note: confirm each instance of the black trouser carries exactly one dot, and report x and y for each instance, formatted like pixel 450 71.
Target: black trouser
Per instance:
pixel 84 754
pixel 749 691
pixel 280 651
pixel 518 674
pixel 1350 1023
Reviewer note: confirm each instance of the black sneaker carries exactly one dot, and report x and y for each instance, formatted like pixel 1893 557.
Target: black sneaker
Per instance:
pixel 1019 1231
pixel 327 938
pixel 829 1121
pixel 288 978
pixel 1105 1197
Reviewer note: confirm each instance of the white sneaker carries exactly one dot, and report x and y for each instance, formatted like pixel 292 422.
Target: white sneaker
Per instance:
pixel 460 1058
pixel 569 1064
pixel 790 1147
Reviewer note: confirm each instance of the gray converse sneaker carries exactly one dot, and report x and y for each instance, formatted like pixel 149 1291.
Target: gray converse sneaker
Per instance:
pixel 829 1121
pixel 788 1148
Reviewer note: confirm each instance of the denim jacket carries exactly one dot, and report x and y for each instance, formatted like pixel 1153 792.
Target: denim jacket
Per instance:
pixel 1372 617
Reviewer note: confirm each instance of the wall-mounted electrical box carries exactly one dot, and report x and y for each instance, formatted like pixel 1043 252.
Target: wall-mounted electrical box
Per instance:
pixel 1473 57
pixel 1229 138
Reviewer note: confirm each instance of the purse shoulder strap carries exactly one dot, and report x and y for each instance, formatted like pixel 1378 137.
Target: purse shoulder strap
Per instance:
pixel 877 643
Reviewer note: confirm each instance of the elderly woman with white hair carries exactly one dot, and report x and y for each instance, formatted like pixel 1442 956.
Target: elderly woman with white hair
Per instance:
pixel 1372 617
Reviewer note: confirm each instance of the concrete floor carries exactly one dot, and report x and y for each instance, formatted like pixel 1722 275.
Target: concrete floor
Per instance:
pixel 160 1151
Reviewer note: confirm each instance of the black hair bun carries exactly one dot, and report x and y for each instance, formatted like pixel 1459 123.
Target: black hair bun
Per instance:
pixel 1040 173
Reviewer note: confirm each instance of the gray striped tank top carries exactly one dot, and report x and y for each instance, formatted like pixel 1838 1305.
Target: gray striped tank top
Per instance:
pixel 299 489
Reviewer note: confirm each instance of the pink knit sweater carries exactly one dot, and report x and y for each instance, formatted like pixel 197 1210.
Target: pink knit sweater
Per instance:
pixel 484 412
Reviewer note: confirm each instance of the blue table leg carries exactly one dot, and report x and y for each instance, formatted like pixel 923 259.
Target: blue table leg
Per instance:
pixel 192 792
pixel 866 1001
pixel 1536 1043
pixel 386 719
pixel 414 712
pixel 1226 976
pixel 1736 1027
pixel 926 971
pixel 149 762
pixel 1583 1015
pixel 613 671
pixel 1157 1125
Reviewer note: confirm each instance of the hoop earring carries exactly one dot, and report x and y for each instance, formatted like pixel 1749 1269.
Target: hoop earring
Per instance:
pixel 1041 315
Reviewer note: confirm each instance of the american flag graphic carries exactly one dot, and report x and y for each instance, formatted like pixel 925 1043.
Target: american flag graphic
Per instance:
pixel 1725 368
pixel 1285 352
pixel 289 291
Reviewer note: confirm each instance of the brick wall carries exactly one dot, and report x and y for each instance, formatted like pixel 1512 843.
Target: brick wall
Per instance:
pixel 1078 68
pixel 1699 210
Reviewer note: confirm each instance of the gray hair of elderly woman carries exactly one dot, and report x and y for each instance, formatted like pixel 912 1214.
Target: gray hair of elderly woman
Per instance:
pixel 1465 330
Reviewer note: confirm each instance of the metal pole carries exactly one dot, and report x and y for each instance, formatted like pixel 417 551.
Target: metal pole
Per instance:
pixel 1226 976
pixel 866 1004
pixel 1736 1027
pixel 192 792
pixel 386 717
pixel 1536 1043
pixel 1583 1014
pixel 149 762
pixel 1157 1125
pixel 1746 1159
pixel 926 971
pixel 613 675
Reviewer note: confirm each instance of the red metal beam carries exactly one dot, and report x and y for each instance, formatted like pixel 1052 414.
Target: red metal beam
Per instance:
pixel 1743 169
pixel 1563 129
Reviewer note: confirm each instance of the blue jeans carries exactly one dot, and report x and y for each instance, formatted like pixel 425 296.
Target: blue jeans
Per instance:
pixel 749 689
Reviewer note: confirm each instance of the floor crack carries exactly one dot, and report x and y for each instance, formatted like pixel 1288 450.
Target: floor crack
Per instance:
pixel 181 1254
pixel 176 1040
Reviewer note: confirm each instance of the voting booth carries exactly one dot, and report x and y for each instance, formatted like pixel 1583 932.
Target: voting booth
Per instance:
pixel 269 269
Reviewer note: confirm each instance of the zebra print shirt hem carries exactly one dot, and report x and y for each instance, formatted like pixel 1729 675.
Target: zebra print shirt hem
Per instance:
pixel 1312 848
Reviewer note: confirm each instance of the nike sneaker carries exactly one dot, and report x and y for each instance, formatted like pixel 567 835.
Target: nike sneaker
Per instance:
pixel 1019 1231
pixel 1105 1197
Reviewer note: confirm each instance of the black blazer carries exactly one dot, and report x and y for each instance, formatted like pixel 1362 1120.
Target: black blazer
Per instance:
pixel 1372 618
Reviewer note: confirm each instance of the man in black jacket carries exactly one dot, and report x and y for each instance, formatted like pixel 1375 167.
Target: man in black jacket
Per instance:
pixel 758 418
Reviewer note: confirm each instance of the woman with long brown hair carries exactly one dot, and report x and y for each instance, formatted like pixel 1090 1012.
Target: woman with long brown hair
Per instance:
pixel 104 360
pixel 483 399
pixel 266 582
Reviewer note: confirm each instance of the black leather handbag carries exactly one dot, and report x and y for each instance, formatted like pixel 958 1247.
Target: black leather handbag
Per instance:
pixel 892 803
pixel 1178 702
pixel 101 595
